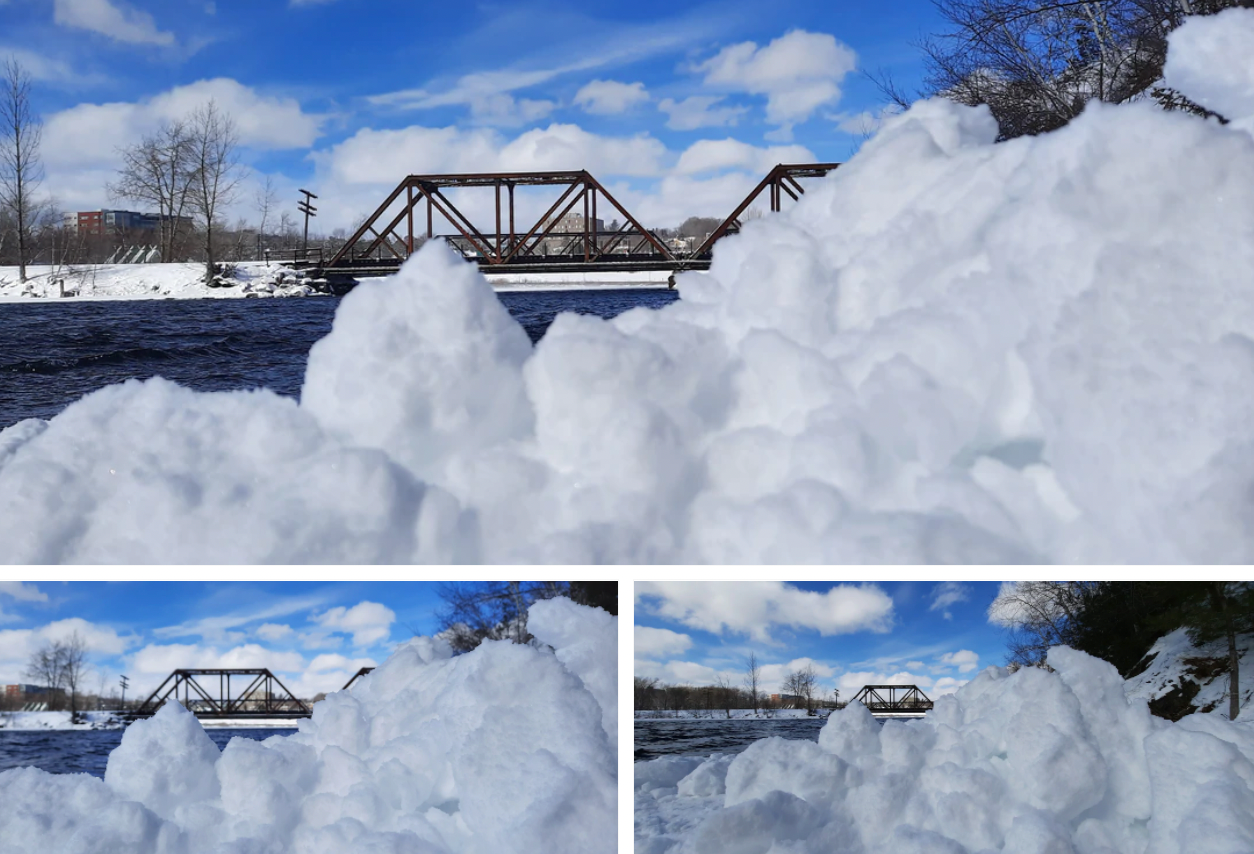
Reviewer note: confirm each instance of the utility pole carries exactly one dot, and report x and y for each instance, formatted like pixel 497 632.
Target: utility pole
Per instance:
pixel 124 682
pixel 308 210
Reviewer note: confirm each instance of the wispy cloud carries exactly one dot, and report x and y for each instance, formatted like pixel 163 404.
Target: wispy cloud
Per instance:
pixel 117 21
pixel 217 629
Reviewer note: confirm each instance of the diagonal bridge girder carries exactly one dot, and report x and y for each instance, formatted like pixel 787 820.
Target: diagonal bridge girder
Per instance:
pixel 508 246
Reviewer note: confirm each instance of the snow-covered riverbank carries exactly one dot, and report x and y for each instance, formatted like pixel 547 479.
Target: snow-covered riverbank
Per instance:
pixel 35 721
pixel 253 279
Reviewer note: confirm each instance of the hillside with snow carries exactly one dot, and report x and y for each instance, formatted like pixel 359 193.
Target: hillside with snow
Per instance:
pixel 1177 678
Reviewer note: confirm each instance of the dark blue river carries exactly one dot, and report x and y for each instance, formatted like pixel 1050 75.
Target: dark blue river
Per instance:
pixel 87 751
pixel 52 353
pixel 703 736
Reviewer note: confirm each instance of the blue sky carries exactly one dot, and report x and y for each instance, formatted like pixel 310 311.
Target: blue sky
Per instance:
pixel 679 108
pixel 314 635
pixel 932 634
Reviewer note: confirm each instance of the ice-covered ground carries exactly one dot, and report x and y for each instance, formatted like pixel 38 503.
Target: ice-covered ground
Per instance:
pixel 57 720
pixel 950 350
pixel 1031 763
pixel 507 749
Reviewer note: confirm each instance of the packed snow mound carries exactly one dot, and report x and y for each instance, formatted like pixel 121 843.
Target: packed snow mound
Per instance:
pixel 1032 763
pixel 949 350
pixel 1228 88
pixel 499 750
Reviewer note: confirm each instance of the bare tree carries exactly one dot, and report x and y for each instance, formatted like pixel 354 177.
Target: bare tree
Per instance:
pixel 157 172
pixel 802 685
pixel 753 677
pixel 74 668
pixel 20 170
pixel 215 170
pixel 1036 63
pixel 45 669
pixel 1039 615
pixel 491 610
pixel 60 666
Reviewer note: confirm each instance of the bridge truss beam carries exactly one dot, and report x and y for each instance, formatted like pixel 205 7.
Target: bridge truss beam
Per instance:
pixel 893 698
pixel 781 180
pixel 422 197
pixel 263 695
pixel 388 236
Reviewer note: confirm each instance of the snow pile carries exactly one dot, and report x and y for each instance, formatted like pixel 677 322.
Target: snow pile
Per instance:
pixel 500 750
pixel 271 281
pixel 1031 763
pixel 949 351
pixel 1184 677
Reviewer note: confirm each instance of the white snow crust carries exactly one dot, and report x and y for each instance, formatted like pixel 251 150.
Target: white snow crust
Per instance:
pixel 950 350
pixel 1032 763
pixel 502 750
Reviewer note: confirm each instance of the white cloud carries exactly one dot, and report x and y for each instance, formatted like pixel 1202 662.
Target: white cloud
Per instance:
pixel 946 594
pixel 798 72
pixel 608 97
pixel 162 659
pixel 655 643
pixel 1010 608
pixel 486 93
pixel 699 112
pixel 118 22
pixel 773 675
pixel 22 591
pixel 865 123
pixel 273 631
pixel 45 68
pixel 753 607
pixel 262 122
pixel 708 155
pixel 685 672
pixel 385 156
pixel 368 622
pixel 335 661
pixel 217 629
pixel 964 659
pixel 17 645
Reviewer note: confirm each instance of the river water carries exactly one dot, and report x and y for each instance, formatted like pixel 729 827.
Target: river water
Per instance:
pixel 54 352
pixel 703 736
pixel 87 751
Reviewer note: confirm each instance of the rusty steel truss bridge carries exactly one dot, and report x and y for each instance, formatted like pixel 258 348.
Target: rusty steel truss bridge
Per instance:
pixel 257 693
pixel 565 239
pixel 894 700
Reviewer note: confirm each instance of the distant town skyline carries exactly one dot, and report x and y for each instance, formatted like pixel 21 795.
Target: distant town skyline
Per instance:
pixel 313 635
pixel 936 635
pixel 680 109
